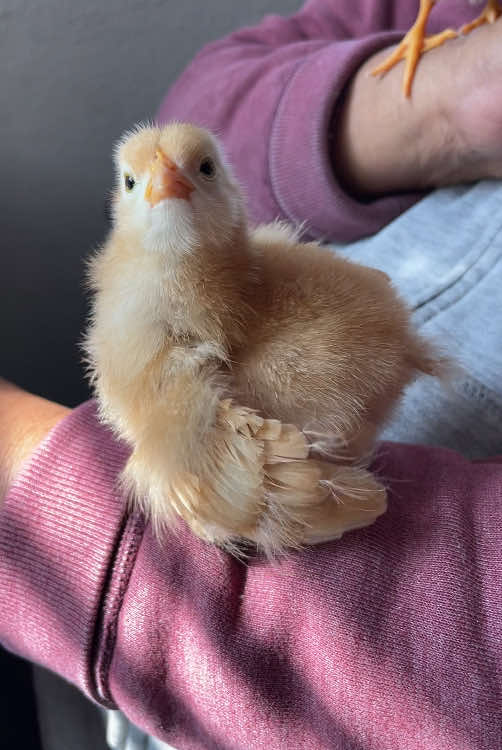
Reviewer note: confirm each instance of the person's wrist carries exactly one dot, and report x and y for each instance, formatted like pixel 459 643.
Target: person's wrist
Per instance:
pixel 473 105
pixel 25 420
pixel 385 143
pixel 448 132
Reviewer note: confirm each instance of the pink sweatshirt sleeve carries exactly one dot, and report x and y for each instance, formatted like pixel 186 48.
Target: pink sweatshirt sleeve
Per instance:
pixel 388 639
pixel 271 92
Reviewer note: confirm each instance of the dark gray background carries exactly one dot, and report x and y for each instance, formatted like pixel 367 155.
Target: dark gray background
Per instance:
pixel 74 76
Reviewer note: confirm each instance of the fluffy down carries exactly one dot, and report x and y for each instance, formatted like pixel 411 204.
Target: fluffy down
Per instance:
pixel 249 372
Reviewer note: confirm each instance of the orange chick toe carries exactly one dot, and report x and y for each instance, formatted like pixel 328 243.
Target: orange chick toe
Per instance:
pixel 490 13
pixel 414 44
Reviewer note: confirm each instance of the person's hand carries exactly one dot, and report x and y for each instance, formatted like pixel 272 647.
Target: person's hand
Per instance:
pixel 24 421
pixel 449 132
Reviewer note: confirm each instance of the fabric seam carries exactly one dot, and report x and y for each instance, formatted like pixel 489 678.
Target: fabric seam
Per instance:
pixel 460 281
pixel 111 603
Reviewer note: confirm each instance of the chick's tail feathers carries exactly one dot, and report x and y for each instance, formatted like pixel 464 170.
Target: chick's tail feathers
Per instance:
pixel 428 359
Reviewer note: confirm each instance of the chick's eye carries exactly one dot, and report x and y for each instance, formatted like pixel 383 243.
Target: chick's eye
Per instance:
pixel 207 167
pixel 129 182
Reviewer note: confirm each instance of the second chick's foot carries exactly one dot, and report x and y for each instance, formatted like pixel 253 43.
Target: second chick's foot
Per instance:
pixel 413 46
pixel 490 13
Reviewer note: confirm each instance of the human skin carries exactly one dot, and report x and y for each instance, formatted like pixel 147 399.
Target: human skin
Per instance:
pixel 25 419
pixel 449 131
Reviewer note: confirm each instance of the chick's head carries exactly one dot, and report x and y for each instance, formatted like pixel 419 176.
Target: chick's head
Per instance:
pixel 174 190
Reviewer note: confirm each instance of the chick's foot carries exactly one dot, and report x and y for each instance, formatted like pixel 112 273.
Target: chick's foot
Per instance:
pixel 490 13
pixel 414 44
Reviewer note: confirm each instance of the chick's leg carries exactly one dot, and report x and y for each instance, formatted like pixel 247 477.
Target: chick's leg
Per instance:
pixel 490 13
pixel 414 44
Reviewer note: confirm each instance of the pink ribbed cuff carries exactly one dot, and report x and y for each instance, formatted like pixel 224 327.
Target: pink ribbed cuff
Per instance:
pixel 59 527
pixel 308 186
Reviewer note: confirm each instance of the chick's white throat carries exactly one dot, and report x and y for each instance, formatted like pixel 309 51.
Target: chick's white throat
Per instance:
pixel 171 227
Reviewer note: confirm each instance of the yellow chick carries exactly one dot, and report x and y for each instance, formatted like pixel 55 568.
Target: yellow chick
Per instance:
pixel 236 361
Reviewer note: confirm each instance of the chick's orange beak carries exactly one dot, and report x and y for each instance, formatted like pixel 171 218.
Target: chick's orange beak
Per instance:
pixel 166 180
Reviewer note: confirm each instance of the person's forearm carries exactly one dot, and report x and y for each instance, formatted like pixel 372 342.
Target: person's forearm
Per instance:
pixel 25 420
pixel 447 132
pixel 383 142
